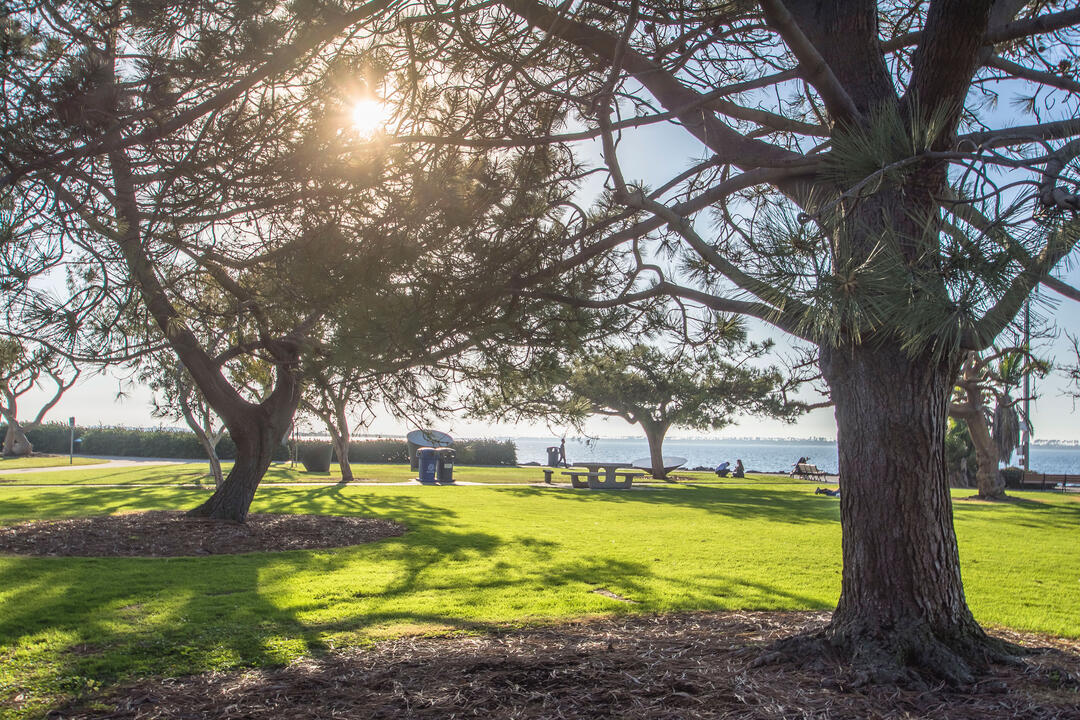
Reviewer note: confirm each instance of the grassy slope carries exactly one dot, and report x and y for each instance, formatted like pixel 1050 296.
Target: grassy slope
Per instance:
pixel 475 558
pixel 46 461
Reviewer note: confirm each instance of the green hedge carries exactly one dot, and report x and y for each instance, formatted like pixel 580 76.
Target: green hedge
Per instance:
pixel 54 438
pixel 379 451
pixel 129 442
pixel 486 452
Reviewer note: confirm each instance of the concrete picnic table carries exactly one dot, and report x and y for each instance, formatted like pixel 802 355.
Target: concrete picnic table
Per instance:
pixel 609 470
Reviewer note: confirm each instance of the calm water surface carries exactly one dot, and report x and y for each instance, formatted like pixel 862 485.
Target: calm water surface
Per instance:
pixel 757 455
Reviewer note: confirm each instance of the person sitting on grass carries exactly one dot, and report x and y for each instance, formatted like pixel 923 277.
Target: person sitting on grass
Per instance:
pixel 740 471
pixel 722 469
pixel 827 491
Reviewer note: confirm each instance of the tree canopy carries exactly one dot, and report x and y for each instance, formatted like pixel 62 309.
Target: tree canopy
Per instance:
pixel 658 387
pixel 194 173
pixel 864 195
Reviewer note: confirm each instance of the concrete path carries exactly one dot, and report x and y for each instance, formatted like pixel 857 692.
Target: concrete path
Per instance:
pixel 112 462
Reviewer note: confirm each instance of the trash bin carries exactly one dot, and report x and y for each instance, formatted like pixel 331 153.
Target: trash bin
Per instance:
pixel 426 462
pixel 425 438
pixel 553 456
pixel 445 464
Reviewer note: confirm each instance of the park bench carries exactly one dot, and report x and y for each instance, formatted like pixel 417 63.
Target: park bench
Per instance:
pixel 806 471
pixel 1032 480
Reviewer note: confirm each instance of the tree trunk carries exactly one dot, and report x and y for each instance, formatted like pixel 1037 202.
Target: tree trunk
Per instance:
pixel 988 478
pixel 339 435
pixel 337 424
pixel 902 604
pixel 209 446
pixel 15 441
pixel 341 449
pixel 255 442
pixel 654 433
pixel 255 428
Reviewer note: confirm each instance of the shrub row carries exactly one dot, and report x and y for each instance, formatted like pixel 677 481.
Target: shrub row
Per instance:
pixel 55 438
pixel 467 452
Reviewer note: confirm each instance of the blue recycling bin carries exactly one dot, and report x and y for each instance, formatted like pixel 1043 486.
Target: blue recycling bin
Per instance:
pixel 427 462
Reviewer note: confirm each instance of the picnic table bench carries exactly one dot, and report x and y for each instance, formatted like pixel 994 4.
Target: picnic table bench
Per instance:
pixel 603 476
pixel 806 471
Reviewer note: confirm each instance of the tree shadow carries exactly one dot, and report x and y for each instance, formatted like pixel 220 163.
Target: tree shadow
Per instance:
pixel 77 623
pixel 1024 511
pixel 795 506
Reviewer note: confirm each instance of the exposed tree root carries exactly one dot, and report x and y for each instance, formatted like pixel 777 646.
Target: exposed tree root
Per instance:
pixel 910 656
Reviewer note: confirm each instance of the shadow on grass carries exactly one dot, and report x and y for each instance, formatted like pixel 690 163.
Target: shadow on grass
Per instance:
pixel 794 506
pixel 1053 511
pixel 80 622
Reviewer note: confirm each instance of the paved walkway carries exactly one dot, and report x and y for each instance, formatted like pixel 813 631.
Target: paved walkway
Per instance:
pixel 112 461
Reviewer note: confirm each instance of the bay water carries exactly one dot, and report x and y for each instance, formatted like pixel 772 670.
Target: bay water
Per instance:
pixel 758 455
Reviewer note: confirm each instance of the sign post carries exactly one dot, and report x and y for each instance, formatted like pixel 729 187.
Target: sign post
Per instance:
pixel 71 449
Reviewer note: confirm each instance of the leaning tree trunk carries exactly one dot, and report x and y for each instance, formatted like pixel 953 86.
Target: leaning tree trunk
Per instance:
pixel 15 441
pixel 340 437
pixel 209 445
pixel 210 448
pixel 255 428
pixel 902 602
pixel 255 438
pixel 988 478
pixel 654 433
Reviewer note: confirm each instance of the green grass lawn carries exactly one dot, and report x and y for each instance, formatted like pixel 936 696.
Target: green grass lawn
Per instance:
pixel 45 461
pixel 197 473
pixel 474 558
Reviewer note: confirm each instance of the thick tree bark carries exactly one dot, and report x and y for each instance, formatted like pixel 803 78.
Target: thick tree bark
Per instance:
pixel 654 433
pixel 902 602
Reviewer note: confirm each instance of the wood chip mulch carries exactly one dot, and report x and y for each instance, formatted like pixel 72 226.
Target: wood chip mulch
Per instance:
pixel 674 666
pixel 172 534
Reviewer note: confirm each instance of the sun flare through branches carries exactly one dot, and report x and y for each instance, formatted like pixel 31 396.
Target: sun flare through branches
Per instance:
pixel 367 116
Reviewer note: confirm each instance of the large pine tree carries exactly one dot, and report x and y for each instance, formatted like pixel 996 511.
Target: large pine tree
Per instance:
pixel 851 183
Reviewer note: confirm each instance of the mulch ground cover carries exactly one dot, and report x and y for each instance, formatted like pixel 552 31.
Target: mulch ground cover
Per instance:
pixel 674 666
pixel 172 534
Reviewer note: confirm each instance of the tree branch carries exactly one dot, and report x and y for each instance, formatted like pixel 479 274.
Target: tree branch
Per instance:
pixel 814 68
